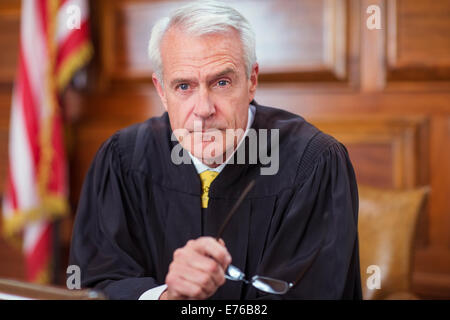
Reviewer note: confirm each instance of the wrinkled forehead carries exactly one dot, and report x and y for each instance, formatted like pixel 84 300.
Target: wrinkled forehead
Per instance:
pixel 180 46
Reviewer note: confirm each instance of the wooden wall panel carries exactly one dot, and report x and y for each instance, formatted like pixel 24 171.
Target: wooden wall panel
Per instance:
pixel 383 149
pixel 418 43
pixel 373 163
pixel 5 104
pixel 317 53
pixel 440 178
pixel 11 260
pixel 372 48
pixel 9 44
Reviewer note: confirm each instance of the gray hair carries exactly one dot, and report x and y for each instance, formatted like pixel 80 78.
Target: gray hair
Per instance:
pixel 201 18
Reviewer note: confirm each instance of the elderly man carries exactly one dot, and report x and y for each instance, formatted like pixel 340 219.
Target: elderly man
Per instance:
pixel 147 222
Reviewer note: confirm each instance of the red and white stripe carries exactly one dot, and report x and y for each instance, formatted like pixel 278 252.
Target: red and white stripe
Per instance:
pixel 35 181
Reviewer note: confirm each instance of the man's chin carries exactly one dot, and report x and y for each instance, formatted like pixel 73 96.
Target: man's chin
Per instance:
pixel 208 153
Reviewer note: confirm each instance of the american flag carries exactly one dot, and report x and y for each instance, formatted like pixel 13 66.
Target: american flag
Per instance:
pixel 54 44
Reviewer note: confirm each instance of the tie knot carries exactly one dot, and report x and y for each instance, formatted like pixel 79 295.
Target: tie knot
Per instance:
pixel 207 177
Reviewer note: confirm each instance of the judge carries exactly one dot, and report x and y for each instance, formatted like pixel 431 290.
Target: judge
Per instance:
pixel 146 223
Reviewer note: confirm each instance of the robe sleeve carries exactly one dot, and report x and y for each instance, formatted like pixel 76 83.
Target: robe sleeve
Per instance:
pixel 314 242
pixel 107 241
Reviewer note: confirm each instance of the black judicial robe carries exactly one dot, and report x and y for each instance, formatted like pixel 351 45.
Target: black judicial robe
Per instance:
pixel 299 225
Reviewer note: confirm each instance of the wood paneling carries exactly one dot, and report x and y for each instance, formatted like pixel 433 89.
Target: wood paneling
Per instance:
pixel 5 103
pixel 372 49
pixel 383 149
pixel 9 44
pixel 373 163
pixel 418 43
pixel 11 260
pixel 317 52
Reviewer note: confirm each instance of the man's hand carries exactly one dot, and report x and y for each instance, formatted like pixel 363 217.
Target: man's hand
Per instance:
pixel 197 269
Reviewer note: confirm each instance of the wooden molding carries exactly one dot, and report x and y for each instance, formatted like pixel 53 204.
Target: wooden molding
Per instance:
pixel 399 137
pixel 373 42
pixel 417 40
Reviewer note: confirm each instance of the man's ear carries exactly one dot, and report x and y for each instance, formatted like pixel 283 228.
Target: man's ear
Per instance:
pixel 253 81
pixel 160 90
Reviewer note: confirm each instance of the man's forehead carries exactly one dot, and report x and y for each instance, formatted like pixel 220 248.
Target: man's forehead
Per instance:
pixel 178 41
pixel 201 56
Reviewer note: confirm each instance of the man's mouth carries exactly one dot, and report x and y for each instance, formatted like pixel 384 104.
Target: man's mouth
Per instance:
pixel 208 135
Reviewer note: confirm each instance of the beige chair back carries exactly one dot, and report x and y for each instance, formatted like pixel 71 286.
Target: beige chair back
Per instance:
pixel 387 227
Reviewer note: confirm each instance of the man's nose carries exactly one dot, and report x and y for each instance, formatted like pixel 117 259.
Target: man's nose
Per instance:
pixel 204 107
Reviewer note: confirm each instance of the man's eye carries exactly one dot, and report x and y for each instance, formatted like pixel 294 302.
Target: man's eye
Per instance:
pixel 183 86
pixel 222 83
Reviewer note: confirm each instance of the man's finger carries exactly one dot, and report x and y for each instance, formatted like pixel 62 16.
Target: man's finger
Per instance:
pixel 207 265
pixel 181 288
pixel 210 247
pixel 205 280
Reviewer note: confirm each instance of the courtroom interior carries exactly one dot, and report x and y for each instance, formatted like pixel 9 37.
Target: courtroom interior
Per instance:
pixel 374 74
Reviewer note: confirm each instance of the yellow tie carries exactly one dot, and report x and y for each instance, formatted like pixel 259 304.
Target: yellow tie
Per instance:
pixel 207 177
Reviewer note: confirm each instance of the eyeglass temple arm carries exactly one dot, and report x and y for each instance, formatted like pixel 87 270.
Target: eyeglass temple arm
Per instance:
pixel 234 209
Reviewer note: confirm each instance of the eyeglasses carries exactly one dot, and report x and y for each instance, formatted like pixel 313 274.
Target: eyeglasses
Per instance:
pixel 265 284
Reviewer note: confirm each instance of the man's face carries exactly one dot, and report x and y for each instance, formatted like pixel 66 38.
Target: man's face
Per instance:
pixel 206 91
